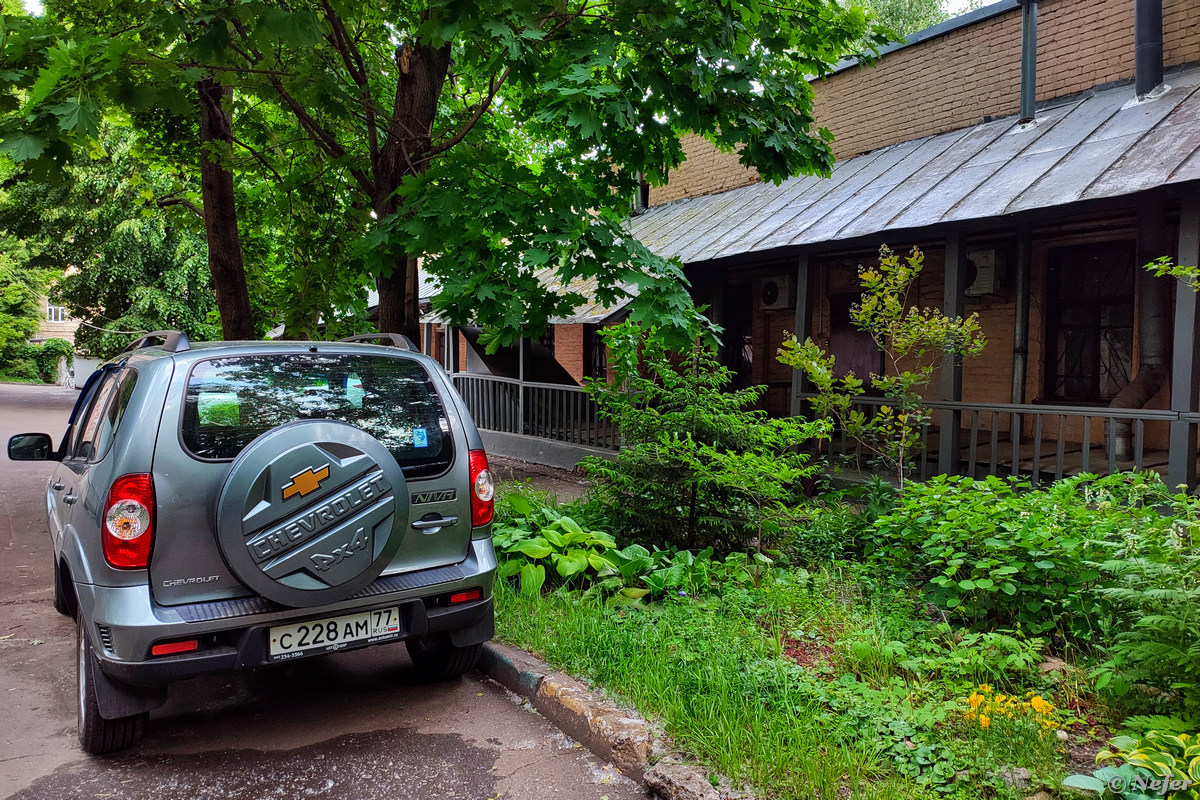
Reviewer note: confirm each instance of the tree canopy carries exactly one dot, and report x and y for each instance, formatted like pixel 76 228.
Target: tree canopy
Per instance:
pixel 491 140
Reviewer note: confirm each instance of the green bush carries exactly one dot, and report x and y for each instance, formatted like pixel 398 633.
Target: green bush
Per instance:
pixel 19 369
pixel 49 355
pixel 997 553
pixel 699 468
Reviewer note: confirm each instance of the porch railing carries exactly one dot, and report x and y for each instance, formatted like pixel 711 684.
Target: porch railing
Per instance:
pixel 546 410
pixel 1038 442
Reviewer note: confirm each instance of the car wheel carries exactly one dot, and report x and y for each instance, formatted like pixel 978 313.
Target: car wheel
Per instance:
pixel 63 601
pixel 436 659
pixel 98 735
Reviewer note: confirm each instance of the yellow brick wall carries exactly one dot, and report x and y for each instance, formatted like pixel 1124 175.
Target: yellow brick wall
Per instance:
pixel 958 79
pixel 706 171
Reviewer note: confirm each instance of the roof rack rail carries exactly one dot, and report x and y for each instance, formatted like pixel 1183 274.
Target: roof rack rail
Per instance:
pixel 172 341
pixel 394 339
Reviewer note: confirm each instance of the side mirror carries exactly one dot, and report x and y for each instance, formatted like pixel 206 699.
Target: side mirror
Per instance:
pixel 31 447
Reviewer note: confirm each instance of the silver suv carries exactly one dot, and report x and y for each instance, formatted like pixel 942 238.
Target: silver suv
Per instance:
pixel 228 505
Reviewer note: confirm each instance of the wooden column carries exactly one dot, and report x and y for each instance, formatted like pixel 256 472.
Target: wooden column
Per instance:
pixel 1185 356
pixel 800 328
pixel 954 304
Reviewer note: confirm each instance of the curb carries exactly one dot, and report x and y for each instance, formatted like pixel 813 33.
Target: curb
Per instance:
pixel 611 733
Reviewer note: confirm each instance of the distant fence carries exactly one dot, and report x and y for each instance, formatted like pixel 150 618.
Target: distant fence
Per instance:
pixel 546 410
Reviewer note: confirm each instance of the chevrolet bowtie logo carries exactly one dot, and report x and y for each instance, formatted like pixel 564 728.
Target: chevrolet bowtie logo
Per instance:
pixel 305 482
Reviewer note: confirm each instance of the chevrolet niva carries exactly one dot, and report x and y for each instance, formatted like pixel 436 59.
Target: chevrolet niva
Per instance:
pixel 221 506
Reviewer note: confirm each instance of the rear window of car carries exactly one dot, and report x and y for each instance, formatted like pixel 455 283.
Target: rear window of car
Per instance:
pixel 231 401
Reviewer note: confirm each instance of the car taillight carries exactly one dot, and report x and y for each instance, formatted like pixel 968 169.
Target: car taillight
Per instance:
pixel 482 489
pixel 129 522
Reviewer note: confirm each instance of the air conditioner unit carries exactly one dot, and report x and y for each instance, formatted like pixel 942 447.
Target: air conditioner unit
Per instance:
pixel 983 273
pixel 775 292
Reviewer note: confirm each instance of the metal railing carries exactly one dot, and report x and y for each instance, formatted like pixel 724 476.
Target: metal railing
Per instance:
pixel 546 410
pixel 1038 442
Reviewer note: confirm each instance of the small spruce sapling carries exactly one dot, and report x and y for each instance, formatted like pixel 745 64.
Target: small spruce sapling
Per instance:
pixel 913 340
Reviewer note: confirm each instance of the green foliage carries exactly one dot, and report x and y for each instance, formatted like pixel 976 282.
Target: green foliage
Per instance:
pixel 541 546
pixel 699 468
pixel 515 163
pixel 21 288
pixel 47 356
pixel 1107 563
pixel 801 686
pixel 1156 766
pixel 537 542
pixel 135 268
pixel 1152 581
pixel 1165 265
pixel 914 340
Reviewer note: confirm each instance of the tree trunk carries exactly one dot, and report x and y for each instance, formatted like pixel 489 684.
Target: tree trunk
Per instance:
pixel 422 72
pixel 220 216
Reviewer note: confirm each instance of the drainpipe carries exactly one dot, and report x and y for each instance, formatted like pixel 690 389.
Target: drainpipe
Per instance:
pixel 1029 60
pixel 1154 324
pixel 1148 38
pixel 1020 366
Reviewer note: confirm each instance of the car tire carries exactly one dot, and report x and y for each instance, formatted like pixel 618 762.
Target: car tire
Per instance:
pixel 436 659
pixel 98 735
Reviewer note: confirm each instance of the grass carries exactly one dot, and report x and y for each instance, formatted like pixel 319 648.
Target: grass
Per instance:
pixel 861 718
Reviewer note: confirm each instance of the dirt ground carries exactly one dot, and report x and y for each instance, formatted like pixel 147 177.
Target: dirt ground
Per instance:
pixel 564 485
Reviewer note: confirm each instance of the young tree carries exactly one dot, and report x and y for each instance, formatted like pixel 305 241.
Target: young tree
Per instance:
pixel 495 140
pixel 914 341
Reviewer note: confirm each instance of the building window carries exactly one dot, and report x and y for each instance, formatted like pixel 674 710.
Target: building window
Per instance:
pixel 1089 342
pixel 56 313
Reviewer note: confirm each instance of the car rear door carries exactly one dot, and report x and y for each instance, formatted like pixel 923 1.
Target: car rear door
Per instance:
pixel 230 401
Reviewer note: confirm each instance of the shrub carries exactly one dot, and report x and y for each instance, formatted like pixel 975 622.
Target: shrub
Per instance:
pixel 20 369
pixel 49 355
pixel 699 468
pixel 995 552
pixel 913 340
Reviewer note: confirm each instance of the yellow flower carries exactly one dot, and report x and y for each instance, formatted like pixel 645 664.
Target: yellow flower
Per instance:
pixel 1041 706
pixel 984 720
pixel 975 700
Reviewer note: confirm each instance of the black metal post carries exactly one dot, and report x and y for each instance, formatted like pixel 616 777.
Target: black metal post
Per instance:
pixel 1028 60
pixel 1185 356
pixel 1148 38
pixel 954 306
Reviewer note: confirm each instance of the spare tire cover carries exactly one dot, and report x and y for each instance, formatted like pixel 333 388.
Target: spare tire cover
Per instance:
pixel 311 512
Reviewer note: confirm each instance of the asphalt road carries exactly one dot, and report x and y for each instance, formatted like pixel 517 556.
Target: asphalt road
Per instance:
pixel 350 725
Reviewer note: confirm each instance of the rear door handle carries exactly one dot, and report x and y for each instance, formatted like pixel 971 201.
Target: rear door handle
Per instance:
pixel 57 486
pixel 441 522
pixel 69 498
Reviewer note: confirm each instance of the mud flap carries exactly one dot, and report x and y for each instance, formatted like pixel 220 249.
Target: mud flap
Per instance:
pixel 116 699
pixel 482 631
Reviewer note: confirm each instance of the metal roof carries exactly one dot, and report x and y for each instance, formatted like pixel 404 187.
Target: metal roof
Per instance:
pixel 590 309
pixel 1100 145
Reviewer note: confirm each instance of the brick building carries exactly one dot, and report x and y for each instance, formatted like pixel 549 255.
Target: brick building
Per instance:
pixel 1038 162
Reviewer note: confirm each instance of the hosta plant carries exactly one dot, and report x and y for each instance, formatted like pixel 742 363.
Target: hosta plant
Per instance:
pixel 1158 765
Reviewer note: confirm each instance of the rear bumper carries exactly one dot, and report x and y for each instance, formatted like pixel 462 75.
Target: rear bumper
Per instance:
pixel 467 624
pixel 233 635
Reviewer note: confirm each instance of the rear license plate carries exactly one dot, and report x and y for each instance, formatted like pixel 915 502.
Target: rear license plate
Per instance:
pixel 333 633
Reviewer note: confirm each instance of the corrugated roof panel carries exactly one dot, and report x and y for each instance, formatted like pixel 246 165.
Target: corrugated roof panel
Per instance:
pixel 843 192
pixel 1098 146
pixel 802 197
pixel 892 179
pixel 1066 182
pixel 1152 160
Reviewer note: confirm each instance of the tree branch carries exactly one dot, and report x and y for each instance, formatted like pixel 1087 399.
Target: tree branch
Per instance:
pixel 164 202
pixel 493 88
